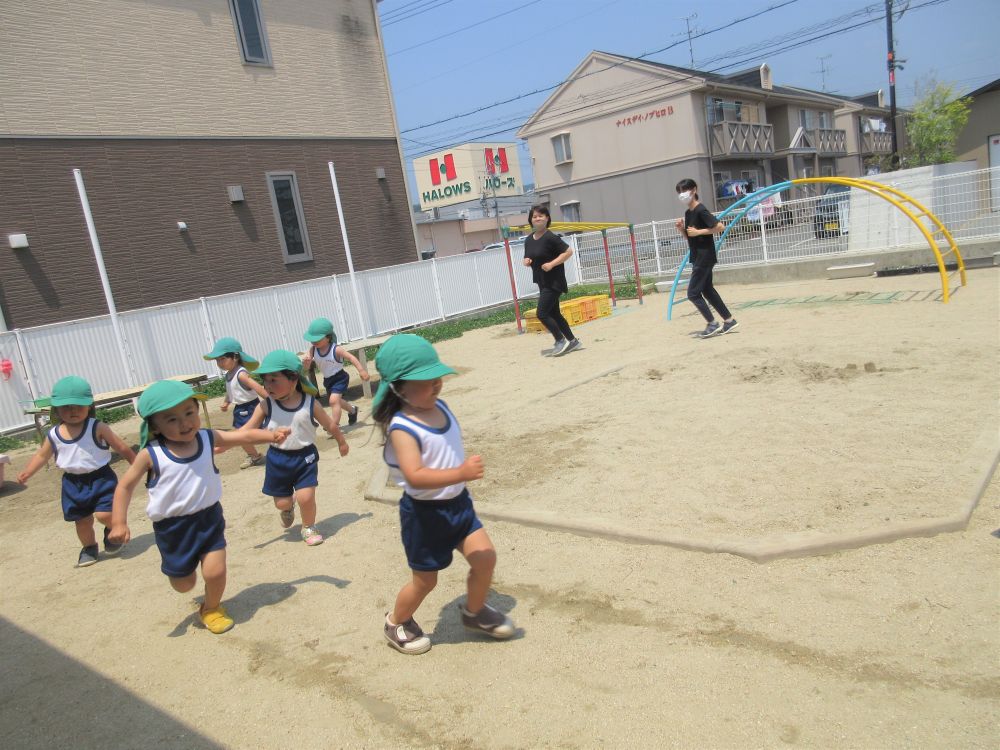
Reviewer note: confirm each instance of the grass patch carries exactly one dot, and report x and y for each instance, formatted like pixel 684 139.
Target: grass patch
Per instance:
pixel 8 443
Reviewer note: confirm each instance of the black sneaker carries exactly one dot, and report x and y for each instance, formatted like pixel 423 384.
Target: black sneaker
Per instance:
pixel 352 417
pixel 406 638
pixel 489 621
pixel 711 329
pixel 110 548
pixel 727 327
pixel 88 556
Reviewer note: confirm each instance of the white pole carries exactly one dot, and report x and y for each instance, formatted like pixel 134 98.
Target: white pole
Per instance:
pixel 656 249
pixel 99 257
pixel 763 232
pixel 347 248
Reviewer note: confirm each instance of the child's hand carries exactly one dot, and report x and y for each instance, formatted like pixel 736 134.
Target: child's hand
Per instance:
pixel 280 434
pixel 364 375
pixel 225 406
pixel 471 468
pixel 307 362
pixel 343 446
pixel 679 225
pixel 119 534
pixel 23 477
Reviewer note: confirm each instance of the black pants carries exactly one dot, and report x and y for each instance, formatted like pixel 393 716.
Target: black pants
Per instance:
pixel 549 315
pixel 702 293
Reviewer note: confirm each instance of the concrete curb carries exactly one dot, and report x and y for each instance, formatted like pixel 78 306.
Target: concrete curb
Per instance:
pixel 795 544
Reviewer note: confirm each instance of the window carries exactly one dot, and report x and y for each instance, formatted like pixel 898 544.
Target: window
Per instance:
pixel 560 143
pixel 826 171
pixel 570 210
pixel 751 176
pixel 716 110
pixel 720 177
pixel 250 31
pixel 288 215
pixel 824 120
pixel 807 119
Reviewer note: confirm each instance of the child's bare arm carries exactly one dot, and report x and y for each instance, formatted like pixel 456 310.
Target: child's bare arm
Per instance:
pixel 42 455
pixel 118 445
pixel 256 419
pixel 120 533
pixel 356 362
pixel 326 422
pixel 247 382
pixel 419 476
pixel 247 436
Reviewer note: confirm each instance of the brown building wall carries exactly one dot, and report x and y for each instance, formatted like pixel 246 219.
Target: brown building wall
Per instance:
pixel 139 189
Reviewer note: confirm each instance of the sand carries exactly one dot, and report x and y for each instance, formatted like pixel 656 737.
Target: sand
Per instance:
pixel 812 417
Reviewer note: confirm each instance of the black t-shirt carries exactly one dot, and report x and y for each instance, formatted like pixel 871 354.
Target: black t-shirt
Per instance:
pixel 548 248
pixel 702 246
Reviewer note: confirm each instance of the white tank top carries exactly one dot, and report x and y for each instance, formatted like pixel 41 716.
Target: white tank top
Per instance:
pixel 235 391
pixel 328 363
pixel 182 486
pixel 83 455
pixel 439 449
pixel 300 421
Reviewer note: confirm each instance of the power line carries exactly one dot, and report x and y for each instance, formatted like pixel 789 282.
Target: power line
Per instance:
pixel 464 28
pixel 413 13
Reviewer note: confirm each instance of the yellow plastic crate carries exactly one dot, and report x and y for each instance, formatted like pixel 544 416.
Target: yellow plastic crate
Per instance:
pixel 603 305
pixel 570 310
pixel 588 308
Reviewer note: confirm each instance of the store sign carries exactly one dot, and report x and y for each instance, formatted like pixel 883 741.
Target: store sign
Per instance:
pixel 468 172
pixel 653 114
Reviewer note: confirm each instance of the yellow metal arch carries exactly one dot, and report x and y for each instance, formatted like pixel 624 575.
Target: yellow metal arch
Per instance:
pixel 904 202
pixel 571 226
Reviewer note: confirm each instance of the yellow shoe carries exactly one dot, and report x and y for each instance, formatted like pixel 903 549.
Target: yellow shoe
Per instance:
pixel 216 620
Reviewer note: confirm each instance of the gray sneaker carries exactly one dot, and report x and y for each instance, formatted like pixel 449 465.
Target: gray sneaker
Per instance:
pixel 406 638
pixel 110 548
pixel 558 349
pixel 711 329
pixel 88 556
pixel 727 327
pixel 572 346
pixel 489 621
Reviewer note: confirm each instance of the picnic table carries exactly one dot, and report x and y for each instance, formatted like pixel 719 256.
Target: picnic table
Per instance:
pixel 39 409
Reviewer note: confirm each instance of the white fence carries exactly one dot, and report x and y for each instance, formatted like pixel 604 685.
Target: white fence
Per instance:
pixel 170 339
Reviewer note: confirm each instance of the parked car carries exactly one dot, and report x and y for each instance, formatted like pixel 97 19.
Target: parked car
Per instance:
pixel 833 212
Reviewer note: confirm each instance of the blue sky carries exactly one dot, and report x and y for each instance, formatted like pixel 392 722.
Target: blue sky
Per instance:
pixel 439 68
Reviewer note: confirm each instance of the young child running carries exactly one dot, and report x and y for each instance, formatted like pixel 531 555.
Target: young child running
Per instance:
pixel 185 487
pixel 82 448
pixel 699 227
pixel 291 472
pixel 242 391
pixel 424 451
pixel 330 359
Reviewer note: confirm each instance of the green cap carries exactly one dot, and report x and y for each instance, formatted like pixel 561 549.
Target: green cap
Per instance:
pixel 160 396
pixel 71 391
pixel 280 360
pixel 319 329
pixel 229 345
pixel 407 356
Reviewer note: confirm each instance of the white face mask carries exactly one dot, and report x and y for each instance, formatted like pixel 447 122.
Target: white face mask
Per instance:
pixel 685 197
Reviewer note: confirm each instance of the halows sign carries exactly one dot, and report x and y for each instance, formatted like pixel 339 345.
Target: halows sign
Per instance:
pixel 467 172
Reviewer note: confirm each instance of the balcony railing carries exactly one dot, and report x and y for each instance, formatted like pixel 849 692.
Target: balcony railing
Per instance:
pixel 830 141
pixel 741 139
pixel 876 143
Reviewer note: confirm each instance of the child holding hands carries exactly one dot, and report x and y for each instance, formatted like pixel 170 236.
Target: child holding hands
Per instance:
pixel 242 391
pixel 330 358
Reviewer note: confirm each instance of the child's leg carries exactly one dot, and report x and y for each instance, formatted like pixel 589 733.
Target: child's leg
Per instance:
pixel 185 584
pixel 413 594
pixel 104 518
pixel 478 550
pixel 306 498
pixel 251 450
pixel 85 531
pixel 213 570
pixel 336 407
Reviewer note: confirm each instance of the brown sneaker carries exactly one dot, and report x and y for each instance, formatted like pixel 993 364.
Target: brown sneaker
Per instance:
pixel 489 621
pixel 406 638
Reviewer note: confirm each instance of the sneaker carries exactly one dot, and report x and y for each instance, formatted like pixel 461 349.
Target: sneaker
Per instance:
pixel 710 330
pixel 727 327
pixel 287 516
pixel 489 621
pixel 110 548
pixel 88 556
pixel 572 346
pixel 311 537
pixel 560 348
pixel 352 418
pixel 252 461
pixel 406 638
pixel 547 352
pixel 216 620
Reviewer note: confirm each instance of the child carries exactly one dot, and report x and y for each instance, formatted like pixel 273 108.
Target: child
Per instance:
pixel 176 456
pixel 330 358
pixel 242 391
pixel 424 451
pixel 81 446
pixel 699 226
pixel 290 474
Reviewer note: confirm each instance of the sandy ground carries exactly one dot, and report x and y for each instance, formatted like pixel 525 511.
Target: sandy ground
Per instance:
pixel 827 416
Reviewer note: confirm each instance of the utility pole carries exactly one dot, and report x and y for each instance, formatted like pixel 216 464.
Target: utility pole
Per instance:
pixel 891 63
pixel 822 70
pixel 687 20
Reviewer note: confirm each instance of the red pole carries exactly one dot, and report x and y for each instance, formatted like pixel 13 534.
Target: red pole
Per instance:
pixel 607 259
pixel 513 284
pixel 635 262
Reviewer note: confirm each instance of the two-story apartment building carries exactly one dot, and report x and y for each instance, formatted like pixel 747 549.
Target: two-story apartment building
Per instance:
pixel 203 130
pixel 613 140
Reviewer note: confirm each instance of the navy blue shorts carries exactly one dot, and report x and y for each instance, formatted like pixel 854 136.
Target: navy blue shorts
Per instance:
pixel 337 384
pixel 243 412
pixel 86 494
pixel 287 471
pixel 184 540
pixel 432 529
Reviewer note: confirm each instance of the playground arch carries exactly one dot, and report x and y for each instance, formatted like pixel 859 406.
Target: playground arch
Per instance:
pixel 913 209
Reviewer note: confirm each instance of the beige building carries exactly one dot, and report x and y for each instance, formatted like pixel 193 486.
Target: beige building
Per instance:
pixel 220 115
pixel 611 142
pixel 980 139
